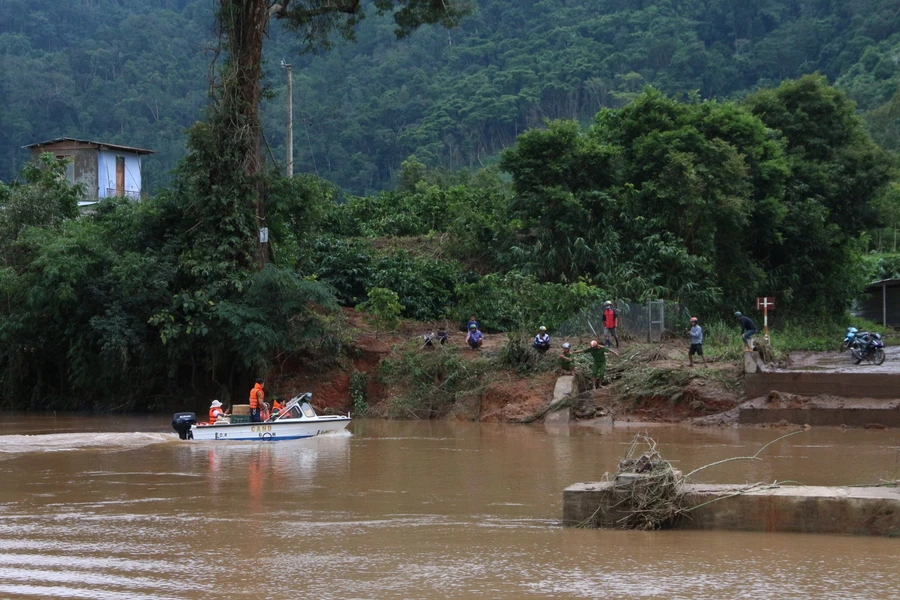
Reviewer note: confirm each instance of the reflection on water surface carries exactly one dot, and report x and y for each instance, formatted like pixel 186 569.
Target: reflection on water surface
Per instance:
pixel 90 509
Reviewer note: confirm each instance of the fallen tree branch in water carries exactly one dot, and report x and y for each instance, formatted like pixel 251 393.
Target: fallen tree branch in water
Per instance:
pixel 754 457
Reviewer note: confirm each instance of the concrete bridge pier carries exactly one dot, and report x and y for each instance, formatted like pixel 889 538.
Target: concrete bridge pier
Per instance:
pixel 558 414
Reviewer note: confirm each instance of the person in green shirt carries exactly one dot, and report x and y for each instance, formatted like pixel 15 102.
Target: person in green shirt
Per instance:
pixel 598 353
pixel 566 362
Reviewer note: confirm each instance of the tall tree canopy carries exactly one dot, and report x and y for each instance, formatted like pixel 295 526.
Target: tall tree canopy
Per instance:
pixel 713 203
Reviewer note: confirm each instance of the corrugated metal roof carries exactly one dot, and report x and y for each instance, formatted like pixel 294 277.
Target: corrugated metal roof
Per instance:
pixel 98 144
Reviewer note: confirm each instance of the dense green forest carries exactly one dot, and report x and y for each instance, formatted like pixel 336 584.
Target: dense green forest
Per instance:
pixel 529 172
pixel 136 72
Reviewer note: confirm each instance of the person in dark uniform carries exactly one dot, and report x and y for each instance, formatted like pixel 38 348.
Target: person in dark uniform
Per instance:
pixel 748 329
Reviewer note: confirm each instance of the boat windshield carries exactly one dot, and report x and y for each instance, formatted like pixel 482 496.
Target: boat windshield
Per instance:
pixel 291 412
pixel 297 411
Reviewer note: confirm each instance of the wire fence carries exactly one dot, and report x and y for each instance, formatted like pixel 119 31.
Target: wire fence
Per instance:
pixel 644 322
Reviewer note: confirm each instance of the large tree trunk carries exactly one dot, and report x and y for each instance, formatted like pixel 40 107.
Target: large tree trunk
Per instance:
pixel 243 26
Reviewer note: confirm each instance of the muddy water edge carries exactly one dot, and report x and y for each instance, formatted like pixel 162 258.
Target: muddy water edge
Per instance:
pixel 118 507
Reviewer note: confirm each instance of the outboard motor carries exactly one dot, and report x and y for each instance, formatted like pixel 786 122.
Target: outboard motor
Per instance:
pixel 182 422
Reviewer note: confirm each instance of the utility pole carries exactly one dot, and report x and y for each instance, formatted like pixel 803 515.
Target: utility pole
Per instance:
pixel 290 119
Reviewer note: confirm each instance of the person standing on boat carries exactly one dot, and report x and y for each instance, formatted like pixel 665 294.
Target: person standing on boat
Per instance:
pixel 215 411
pixel 257 401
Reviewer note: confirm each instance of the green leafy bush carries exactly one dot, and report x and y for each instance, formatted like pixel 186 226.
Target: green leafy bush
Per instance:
pixel 383 308
pixel 346 265
pixel 425 286
pixel 515 301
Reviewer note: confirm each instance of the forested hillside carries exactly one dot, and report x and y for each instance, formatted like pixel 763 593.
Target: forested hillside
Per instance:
pixel 135 72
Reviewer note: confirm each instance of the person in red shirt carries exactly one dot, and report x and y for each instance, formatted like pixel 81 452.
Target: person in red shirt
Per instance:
pixel 610 322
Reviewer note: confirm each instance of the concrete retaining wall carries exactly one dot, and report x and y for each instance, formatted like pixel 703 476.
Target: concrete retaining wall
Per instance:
pixel 812 383
pixel 797 509
pixel 827 417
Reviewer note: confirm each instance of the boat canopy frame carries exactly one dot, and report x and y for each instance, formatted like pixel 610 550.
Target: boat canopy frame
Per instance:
pixel 297 407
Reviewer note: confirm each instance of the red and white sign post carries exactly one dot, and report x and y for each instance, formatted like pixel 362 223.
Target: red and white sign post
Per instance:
pixel 764 304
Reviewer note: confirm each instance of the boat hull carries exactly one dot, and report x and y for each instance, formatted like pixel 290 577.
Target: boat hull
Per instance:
pixel 292 429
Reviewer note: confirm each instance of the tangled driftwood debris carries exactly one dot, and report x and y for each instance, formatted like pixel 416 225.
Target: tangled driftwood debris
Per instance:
pixel 647 492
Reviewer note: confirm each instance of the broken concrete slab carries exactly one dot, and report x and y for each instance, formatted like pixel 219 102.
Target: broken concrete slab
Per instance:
pixel 798 509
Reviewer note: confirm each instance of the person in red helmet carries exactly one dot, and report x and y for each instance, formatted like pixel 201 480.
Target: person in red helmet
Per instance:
pixel 598 353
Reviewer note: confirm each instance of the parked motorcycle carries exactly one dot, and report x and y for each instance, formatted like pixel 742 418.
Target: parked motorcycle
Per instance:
pixel 867 346
pixel 848 339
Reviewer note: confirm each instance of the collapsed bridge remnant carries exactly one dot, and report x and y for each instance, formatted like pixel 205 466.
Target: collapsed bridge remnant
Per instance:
pixel 869 510
pixel 648 493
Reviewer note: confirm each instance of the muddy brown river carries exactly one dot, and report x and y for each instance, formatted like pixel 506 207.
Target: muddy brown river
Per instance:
pixel 119 507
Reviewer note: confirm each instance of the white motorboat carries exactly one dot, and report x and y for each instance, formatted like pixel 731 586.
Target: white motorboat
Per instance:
pixel 296 420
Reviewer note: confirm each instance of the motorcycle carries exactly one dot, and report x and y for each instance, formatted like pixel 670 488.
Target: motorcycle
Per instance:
pixel 867 346
pixel 848 339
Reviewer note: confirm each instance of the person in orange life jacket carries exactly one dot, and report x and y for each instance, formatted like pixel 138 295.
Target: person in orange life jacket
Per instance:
pixel 277 407
pixel 257 401
pixel 610 322
pixel 215 411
